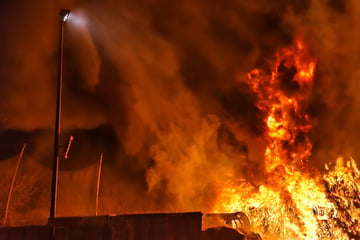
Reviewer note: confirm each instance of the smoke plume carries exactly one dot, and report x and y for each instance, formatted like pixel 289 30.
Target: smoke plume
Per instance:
pixel 159 88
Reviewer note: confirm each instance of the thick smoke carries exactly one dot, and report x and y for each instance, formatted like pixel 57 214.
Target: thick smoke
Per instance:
pixel 159 88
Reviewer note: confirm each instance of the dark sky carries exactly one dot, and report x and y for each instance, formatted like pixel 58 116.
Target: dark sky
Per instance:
pixel 157 86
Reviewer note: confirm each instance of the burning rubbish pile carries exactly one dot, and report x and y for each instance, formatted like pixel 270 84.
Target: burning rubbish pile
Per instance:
pixel 296 201
pixel 343 190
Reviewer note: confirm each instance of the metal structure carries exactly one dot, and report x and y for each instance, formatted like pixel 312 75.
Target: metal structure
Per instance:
pixel 160 226
pixel 64 15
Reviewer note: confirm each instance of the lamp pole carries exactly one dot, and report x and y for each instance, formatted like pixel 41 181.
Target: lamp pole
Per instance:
pixel 64 15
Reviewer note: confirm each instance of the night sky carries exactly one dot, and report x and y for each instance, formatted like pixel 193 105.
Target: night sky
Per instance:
pixel 159 88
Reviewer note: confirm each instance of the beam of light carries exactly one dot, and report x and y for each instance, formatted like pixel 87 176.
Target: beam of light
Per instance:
pixel 78 19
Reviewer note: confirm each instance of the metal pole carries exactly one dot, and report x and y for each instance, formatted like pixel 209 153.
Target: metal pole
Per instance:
pixel 13 183
pixel 98 185
pixel 57 126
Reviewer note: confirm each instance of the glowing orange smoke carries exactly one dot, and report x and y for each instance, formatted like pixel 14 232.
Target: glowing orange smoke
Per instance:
pixel 292 204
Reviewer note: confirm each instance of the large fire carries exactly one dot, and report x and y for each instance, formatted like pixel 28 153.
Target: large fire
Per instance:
pixel 296 201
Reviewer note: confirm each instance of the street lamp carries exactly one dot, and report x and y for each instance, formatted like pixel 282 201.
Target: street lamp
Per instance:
pixel 64 16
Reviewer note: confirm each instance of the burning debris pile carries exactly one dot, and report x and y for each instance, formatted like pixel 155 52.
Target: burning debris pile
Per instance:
pixel 343 187
pixel 296 201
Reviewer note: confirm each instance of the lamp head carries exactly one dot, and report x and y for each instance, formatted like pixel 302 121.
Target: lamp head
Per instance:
pixel 64 14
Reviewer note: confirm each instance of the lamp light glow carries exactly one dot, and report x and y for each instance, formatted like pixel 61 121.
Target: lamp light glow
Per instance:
pixel 66 17
pixel 65 14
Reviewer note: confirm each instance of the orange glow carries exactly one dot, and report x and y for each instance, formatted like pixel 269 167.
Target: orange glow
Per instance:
pixel 293 203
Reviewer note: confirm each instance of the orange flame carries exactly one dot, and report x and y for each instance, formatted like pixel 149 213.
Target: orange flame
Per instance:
pixel 281 95
pixel 292 204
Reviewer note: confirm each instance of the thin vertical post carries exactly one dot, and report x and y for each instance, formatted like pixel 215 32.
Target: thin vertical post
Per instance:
pixel 13 183
pixel 57 126
pixel 64 14
pixel 98 185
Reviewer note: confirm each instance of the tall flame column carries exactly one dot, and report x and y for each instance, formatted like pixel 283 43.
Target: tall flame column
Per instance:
pixel 64 15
